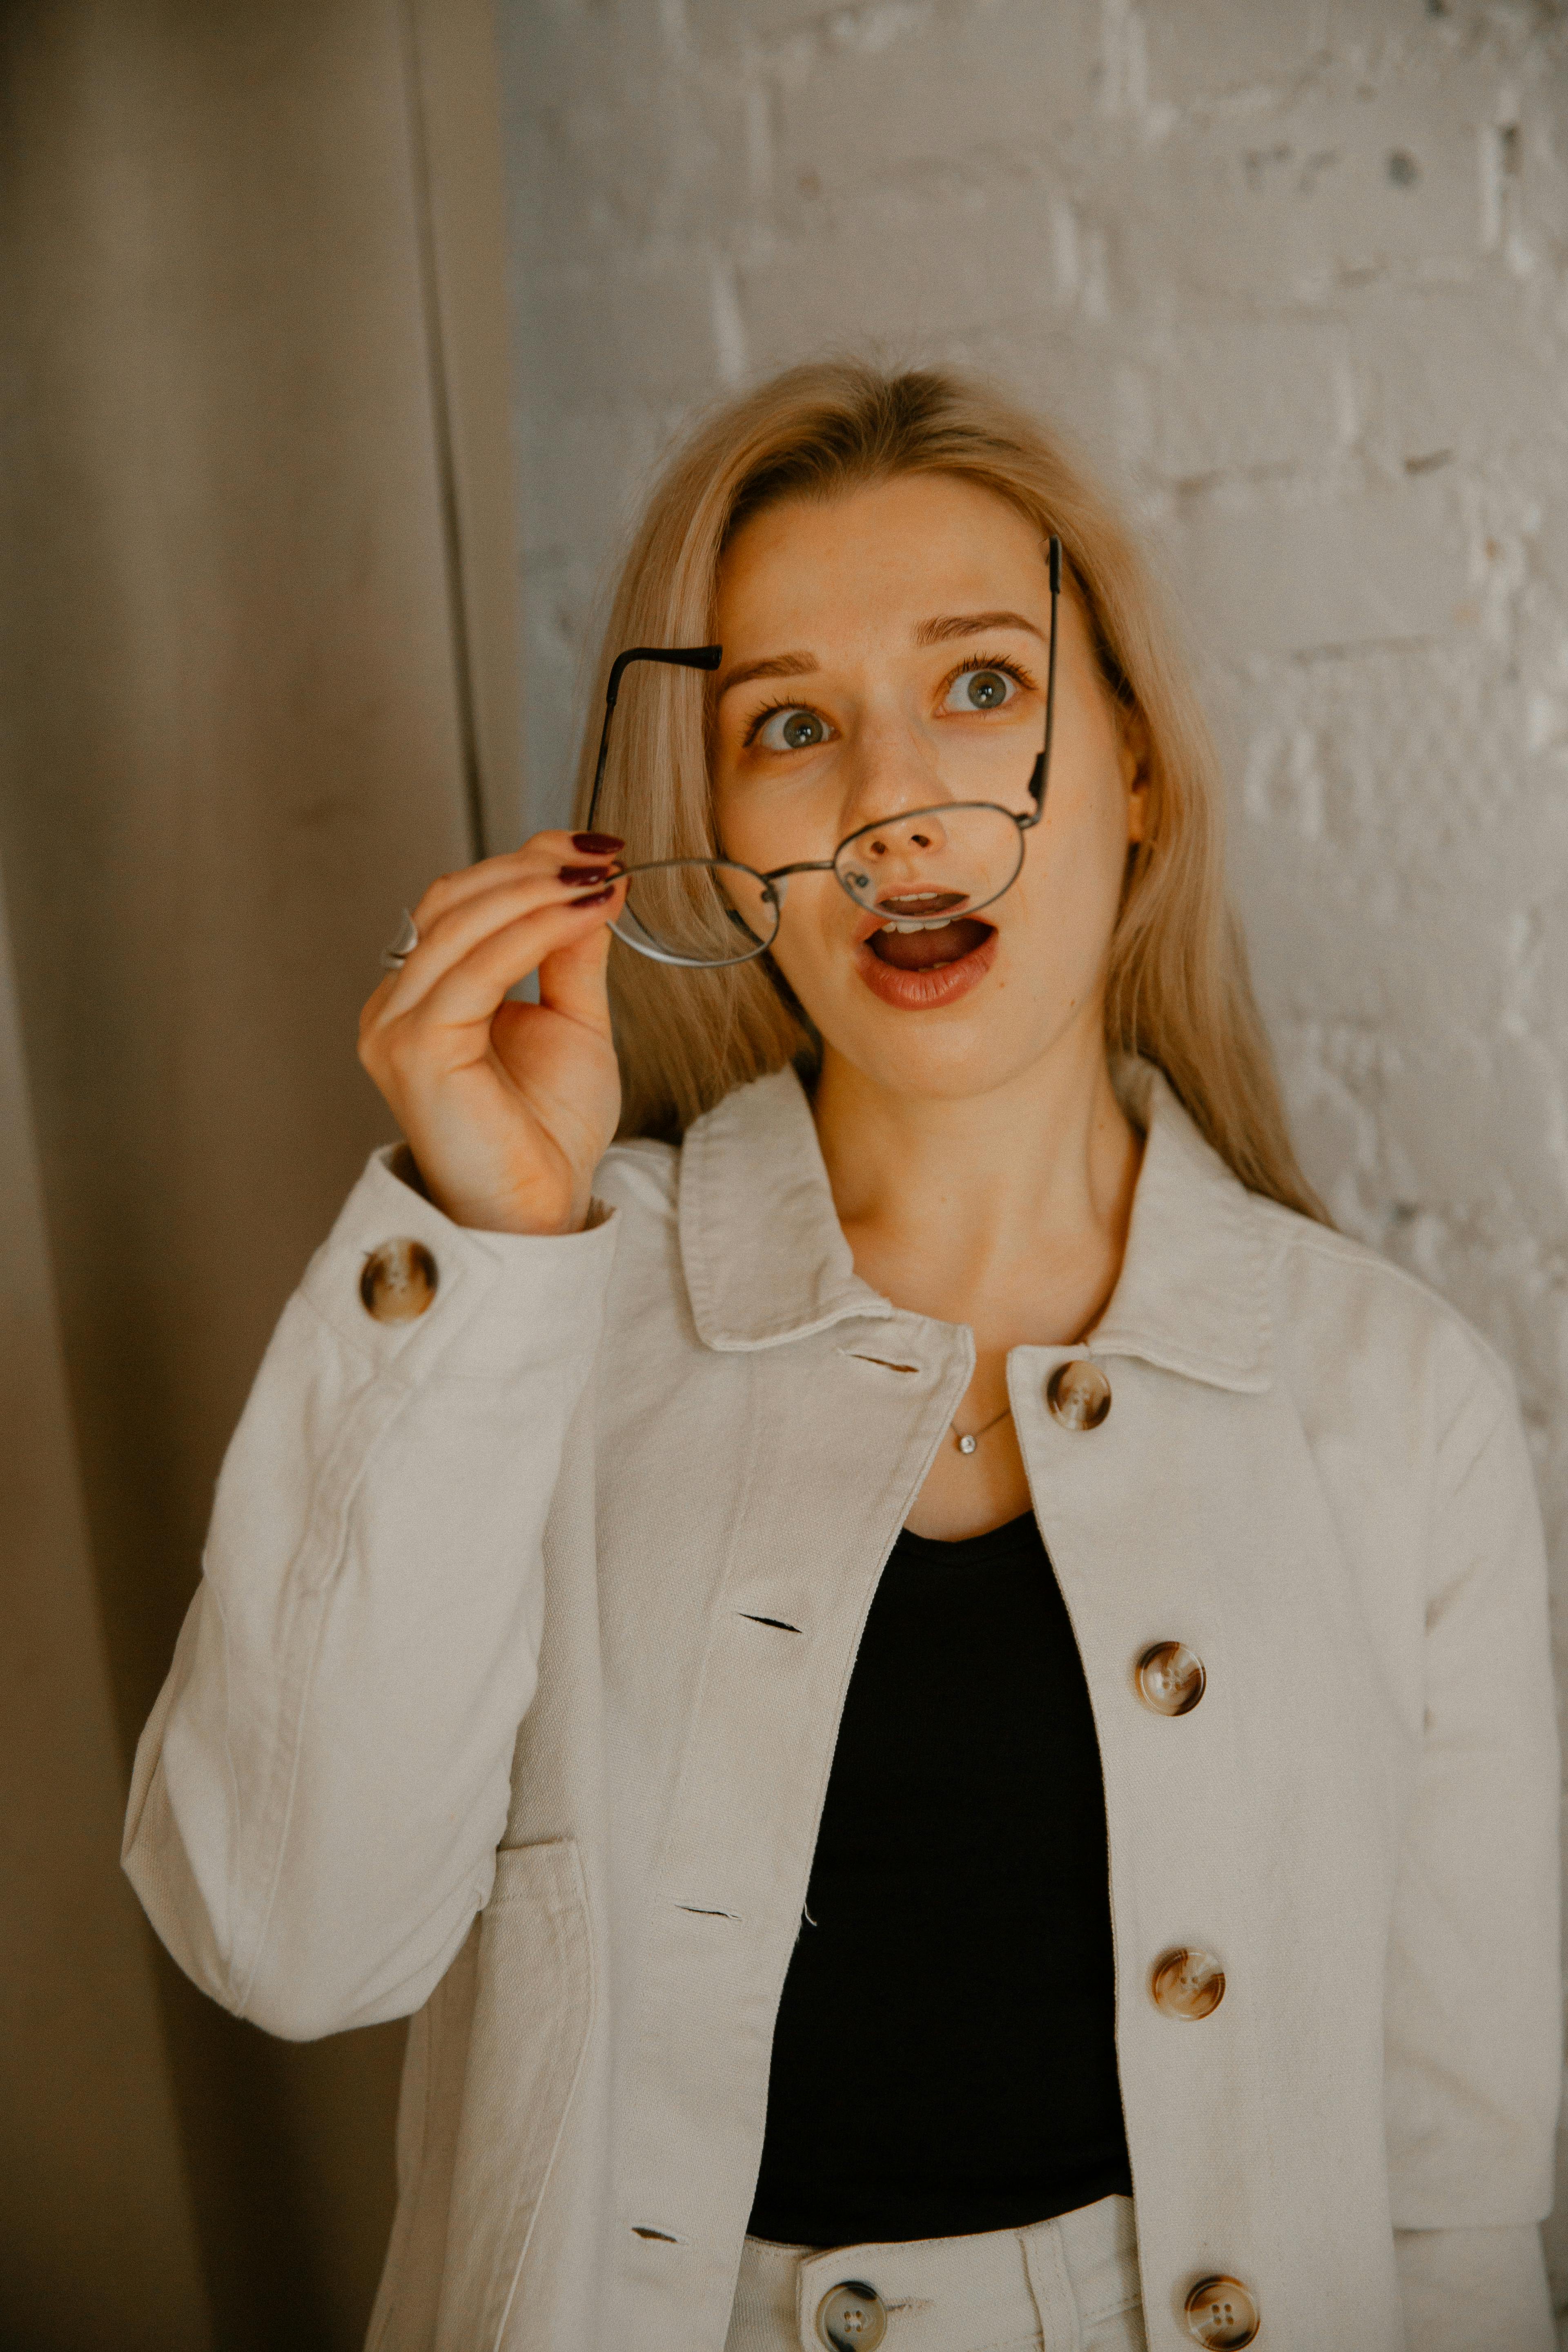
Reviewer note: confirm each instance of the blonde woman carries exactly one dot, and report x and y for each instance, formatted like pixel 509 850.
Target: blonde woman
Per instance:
pixel 931 1693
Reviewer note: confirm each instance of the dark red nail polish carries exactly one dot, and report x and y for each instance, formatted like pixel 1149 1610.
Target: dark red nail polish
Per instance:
pixel 583 873
pixel 597 844
pixel 598 898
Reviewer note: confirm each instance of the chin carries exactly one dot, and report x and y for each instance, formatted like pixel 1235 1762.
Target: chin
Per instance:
pixel 955 1059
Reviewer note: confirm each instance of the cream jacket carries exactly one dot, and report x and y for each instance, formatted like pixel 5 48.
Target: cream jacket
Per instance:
pixel 510 1694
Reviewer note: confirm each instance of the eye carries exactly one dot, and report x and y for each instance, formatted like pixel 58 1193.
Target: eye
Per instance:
pixel 792 727
pixel 980 690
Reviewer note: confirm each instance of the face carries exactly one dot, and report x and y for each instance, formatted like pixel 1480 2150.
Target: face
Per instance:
pixel 887 653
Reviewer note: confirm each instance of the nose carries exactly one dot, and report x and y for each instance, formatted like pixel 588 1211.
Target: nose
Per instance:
pixel 893 767
pixel 903 868
pixel 895 850
pixel 930 834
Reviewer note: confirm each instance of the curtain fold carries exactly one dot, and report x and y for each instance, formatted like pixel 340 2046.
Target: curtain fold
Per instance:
pixel 257 671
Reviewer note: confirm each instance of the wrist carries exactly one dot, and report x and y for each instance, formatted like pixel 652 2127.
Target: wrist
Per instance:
pixel 538 1219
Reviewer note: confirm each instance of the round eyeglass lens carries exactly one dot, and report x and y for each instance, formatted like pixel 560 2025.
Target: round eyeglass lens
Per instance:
pixel 934 864
pixel 695 910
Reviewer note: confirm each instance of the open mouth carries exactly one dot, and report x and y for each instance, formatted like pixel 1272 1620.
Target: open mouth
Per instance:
pixel 917 934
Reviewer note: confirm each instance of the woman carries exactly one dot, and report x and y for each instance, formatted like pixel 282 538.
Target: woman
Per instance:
pixel 933 1695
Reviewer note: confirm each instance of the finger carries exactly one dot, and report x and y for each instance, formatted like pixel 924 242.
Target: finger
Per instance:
pixel 542 853
pixel 546 857
pixel 399 1006
pixel 475 918
pixel 573 981
pixel 466 996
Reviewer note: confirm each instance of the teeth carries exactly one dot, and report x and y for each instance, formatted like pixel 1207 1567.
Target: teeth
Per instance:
pixel 926 926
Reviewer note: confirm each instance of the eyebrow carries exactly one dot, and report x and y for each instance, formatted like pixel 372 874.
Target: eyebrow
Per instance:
pixel 929 633
pixel 972 624
pixel 772 665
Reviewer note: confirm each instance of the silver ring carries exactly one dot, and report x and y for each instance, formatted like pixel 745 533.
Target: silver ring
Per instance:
pixel 395 957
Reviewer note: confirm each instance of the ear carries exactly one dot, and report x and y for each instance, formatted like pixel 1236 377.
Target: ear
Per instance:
pixel 1132 734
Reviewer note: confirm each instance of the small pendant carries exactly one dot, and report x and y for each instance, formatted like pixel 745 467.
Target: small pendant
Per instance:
pixel 966 1444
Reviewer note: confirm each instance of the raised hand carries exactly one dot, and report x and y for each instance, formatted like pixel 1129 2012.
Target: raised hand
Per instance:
pixel 506 1106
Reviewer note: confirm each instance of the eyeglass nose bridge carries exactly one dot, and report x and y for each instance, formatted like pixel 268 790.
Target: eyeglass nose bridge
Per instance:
pixel 922 846
pixel 932 839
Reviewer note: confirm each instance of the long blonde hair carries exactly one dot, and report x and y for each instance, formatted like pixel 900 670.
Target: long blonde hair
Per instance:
pixel 1178 992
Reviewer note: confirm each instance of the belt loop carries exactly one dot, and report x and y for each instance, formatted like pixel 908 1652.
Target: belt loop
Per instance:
pixel 1051 2285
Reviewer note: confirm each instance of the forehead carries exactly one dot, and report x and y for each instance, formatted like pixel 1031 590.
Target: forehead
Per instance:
pixel 906 549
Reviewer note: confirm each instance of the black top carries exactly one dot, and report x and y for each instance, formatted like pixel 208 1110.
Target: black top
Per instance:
pixel 944 2057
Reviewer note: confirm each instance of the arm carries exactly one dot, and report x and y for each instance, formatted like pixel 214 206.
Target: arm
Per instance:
pixel 320 1791
pixel 1472 2038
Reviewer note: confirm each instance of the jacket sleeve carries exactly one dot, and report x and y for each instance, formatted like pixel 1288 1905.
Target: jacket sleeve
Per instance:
pixel 320 1788
pixel 1472 2030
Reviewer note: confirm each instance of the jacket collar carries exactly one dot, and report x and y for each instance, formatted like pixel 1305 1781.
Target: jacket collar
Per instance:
pixel 766 1260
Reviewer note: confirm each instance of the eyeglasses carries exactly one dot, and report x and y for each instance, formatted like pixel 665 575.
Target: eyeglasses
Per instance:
pixel 921 868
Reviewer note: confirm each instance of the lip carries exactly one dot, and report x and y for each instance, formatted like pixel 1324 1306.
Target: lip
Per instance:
pixel 923 992
pixel 893 911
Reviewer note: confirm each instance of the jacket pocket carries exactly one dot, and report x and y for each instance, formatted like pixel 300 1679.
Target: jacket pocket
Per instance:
pixel 532 2011
pixel 429 2112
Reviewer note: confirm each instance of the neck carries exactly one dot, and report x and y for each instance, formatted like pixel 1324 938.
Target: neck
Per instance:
pixel 1006 1211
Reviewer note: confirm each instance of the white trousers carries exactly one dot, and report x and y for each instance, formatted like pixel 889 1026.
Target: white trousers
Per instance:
pixel 1066 2285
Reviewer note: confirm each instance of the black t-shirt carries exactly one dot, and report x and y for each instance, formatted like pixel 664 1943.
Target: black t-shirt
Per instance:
pixel 944 2058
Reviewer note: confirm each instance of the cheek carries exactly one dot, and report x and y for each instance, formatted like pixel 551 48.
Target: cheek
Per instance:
pixel 1078 857
pixel 815 947
pixel 739 824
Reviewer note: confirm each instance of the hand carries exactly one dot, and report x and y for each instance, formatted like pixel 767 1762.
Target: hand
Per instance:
pixel 507 1107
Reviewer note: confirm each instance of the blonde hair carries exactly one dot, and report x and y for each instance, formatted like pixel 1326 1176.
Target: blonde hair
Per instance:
pixel 1178 992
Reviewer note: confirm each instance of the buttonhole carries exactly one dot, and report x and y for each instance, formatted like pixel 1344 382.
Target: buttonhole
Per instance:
pixel 701 1911
pixel 783 1623
pixel 665 2237
pixel 884 1362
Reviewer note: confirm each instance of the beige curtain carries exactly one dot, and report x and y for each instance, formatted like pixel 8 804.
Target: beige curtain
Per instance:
pixel 257 684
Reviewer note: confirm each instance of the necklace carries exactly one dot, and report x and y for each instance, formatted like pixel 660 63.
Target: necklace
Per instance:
pixel 969 1439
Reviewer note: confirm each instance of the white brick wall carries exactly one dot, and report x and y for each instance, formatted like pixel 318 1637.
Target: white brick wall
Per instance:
pixel 1296 272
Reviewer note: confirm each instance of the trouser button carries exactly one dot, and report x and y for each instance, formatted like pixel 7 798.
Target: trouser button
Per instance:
pixel 851 2317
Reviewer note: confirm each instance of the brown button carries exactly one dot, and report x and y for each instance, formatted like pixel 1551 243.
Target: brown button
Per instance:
pixel 398 1282
pixel 1221 2313
pixel 1171 1678
pixel 1079 1394
pixel 1187 1984
pixel 851 2317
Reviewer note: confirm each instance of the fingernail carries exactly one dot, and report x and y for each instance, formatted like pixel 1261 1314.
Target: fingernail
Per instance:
pixel 601 844
pixel 598 898
pixel 582 874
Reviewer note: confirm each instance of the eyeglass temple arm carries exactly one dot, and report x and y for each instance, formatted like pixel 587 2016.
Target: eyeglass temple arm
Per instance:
pixel 683 656
pixel 1043 758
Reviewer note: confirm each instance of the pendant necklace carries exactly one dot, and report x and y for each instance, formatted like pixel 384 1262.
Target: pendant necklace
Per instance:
pixel 967 1442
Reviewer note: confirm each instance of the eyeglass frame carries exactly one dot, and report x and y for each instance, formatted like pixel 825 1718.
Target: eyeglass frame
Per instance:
pixel 708 657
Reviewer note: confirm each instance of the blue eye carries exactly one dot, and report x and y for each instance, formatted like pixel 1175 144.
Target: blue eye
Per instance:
pixel 795 730
pixel 980 690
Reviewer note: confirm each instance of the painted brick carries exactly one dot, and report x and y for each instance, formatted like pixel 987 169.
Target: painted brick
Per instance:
pixel 1227 397
pixel 650 323
pixel 945 88
pixel 1210 49
pixel 1296 579
pixel 893 268
pixel 1301 208
pixel 1427 383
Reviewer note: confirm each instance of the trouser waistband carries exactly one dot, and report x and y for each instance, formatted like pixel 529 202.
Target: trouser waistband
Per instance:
pixel 1054 2281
